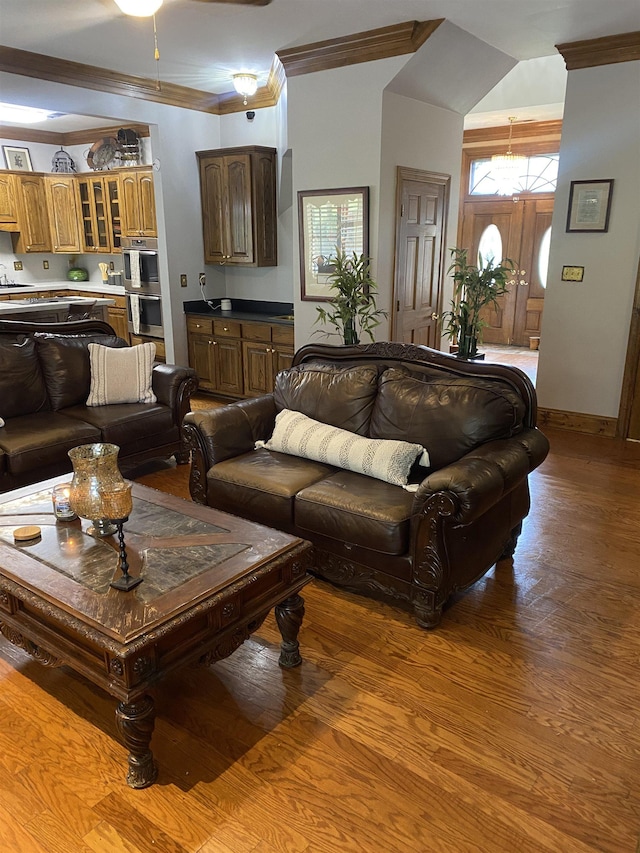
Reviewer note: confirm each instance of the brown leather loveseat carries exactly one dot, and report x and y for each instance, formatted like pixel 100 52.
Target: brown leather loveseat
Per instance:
pixel 45 378
pixel 412 545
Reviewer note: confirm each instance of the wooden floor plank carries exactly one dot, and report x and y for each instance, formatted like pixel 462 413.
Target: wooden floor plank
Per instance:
pixel 515 726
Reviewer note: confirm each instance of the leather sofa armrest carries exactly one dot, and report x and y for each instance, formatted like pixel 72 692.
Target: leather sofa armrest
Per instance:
pixel 475 483
pixel 214 435
pixel 170 383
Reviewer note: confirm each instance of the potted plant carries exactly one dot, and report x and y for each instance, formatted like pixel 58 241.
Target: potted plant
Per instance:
pixel 474 288
pixel 353 309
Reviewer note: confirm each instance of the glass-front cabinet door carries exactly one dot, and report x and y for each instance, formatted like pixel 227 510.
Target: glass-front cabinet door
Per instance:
pixel 99 200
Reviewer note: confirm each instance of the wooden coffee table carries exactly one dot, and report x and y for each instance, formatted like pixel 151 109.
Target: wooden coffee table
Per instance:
pixel 210 579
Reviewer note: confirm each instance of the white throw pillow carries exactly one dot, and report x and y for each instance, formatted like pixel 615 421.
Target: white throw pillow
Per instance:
pixel 384 459
pixel 121 375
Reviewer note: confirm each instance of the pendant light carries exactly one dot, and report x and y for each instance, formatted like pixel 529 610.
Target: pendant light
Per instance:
pixel 506 168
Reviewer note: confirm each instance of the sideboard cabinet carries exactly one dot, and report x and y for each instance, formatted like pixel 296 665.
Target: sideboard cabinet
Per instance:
pixel 238 197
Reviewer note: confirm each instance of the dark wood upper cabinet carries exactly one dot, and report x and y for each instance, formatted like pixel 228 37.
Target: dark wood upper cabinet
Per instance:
pixel 238 196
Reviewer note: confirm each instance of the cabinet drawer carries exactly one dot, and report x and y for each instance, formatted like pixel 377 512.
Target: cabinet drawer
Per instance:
pixel 256 331
pixel 282 335
pixel 199 325
pixel 226 328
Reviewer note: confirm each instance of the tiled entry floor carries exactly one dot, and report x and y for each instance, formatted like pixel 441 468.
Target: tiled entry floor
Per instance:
pixel 525 359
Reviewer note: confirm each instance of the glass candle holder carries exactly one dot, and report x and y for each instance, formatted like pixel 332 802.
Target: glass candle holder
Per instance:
pixel 95 477
pixel 62 503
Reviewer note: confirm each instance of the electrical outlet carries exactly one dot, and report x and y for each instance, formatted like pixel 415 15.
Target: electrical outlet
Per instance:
pixel 183 280
pixel 202 279
pixel 112 266
pixel 17 265
pixel 45 265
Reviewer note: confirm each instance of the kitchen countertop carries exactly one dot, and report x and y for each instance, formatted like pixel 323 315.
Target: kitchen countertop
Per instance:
pixel 279 313
pixel 71 286
pixel 24 306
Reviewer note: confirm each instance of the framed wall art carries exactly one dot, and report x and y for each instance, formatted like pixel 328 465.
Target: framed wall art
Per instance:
pixel 589 205
pixel 18 159
pixel 329 221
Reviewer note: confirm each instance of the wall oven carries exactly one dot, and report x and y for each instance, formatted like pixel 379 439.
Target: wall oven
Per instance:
pixel 144 314
pixel 140 261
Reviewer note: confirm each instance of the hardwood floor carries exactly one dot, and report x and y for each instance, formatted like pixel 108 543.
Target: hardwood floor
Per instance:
pixel 512 727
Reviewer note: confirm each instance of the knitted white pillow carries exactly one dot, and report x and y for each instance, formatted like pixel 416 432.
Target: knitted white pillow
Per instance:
pixel 121 375
pixel 384 459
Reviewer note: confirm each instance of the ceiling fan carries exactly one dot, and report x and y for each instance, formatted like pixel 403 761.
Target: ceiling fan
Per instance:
pixel 146 8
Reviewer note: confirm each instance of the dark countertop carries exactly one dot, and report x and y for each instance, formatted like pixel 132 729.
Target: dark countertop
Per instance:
pixel 244 309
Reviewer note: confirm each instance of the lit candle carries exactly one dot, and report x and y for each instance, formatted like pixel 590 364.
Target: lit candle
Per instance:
pixel 61 504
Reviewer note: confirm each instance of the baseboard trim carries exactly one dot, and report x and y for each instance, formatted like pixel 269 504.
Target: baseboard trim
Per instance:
pixel 577 422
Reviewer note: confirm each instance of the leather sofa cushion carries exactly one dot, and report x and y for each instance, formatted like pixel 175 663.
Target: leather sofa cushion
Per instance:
pixel 450 416
pixel 22 387
pixel 66 366
pixel 125 423
pixel 261 485
pixel 41 439
pixel 336 396
pixel 356 509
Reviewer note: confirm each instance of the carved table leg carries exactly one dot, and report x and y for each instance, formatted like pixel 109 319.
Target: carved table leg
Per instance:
pixel 135 723
pixel 289 615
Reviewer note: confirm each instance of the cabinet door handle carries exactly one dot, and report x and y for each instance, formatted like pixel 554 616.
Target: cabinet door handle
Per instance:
pixel 225 328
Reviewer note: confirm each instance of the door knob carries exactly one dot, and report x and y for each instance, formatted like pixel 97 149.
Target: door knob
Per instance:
pixel 435 316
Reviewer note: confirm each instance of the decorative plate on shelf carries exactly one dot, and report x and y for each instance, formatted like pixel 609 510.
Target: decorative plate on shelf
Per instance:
pixel 104 153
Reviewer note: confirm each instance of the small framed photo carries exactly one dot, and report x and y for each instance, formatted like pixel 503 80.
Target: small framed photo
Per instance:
pixel 329 221
pixel 589 205
pixel 17 159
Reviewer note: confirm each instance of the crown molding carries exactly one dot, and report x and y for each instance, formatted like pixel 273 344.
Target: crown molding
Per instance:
pixel 27 64
pixel 73 137
pixel 624 47
pixel 525 132
pixel 358 47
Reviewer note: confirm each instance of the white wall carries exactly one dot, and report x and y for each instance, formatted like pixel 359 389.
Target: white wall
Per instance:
pixel 585 326
pixel 418 136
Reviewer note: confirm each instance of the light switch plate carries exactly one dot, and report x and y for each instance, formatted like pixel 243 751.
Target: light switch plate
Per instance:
pixel 572 273
pixel 17 265
pixel 183 280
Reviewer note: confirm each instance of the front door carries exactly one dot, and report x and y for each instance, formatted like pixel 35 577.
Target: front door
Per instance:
pixel 521 228
pixel 422 201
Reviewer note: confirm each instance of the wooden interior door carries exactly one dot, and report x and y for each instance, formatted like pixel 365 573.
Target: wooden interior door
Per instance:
pixel 422 203
pixel 522 224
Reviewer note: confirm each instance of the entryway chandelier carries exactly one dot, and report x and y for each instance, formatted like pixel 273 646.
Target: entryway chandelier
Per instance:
pixel 245 85
pixel 506 168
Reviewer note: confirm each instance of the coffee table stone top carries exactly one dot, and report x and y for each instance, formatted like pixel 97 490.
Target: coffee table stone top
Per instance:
pixel 184 552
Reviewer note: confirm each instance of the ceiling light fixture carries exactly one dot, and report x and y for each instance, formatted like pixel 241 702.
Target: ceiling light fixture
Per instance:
pixel 139 8
pixel 507 168
pixel 24 115
pixel 245 85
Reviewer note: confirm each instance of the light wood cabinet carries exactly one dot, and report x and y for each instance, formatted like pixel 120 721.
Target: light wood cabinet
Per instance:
pixel 138 204
pixel 32 226
pixel 100 213
pixel 238 198
pixel 161 353
pixel 8 205
pixel 238 359
pixel 117 317
pixel 63 203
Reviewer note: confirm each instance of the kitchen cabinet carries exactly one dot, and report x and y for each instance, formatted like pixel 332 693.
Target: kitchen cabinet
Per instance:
pixel 215 353
pixel 32 222
pixel 8 205
pixel 237 359
pixel 138 204
pixel 116 314
pixel 161 353
pixel 63 204
pixel 101 226
pixel 238 198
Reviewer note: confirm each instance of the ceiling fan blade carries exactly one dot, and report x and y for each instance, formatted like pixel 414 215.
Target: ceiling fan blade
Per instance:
pixel 240 2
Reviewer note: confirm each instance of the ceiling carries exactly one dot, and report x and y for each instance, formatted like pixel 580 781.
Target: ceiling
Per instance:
pixel 202 44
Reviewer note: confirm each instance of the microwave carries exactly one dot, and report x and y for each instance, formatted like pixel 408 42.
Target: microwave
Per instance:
pixel 140 263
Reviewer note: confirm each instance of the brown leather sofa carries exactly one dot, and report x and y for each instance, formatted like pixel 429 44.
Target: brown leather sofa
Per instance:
pixel 45 377
pixel 413 548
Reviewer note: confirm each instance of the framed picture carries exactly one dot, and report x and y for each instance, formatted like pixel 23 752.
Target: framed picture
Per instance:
pixel 589 205
pixel 18 159
pixel 329 221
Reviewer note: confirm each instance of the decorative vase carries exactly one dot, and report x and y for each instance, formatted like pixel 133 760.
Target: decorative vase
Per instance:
pixel 98 491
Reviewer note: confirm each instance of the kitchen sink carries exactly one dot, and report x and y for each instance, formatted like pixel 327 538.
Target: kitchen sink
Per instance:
pixel 10 286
